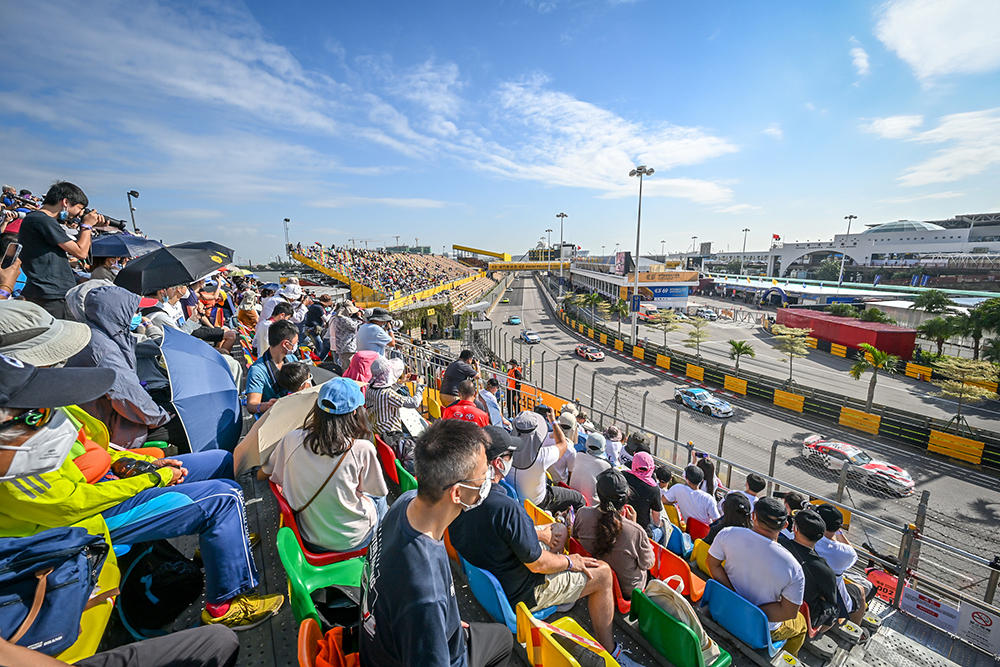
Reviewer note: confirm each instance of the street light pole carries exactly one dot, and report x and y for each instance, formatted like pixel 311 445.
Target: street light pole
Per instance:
pixel 742 257
pixel 843 255
pixel 663 250
pixel 288 244
pixel 639 171
pixel 548 252
pixel 132 194
pixel 562 218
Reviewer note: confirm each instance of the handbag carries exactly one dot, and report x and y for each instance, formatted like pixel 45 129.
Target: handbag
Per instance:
pixel 46 581
pixel 672 602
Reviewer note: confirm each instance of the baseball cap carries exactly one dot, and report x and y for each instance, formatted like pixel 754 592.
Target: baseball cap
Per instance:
pixel 27 387
pixel 380 315
pixel 596 443
pixel 612 487
pixel 500 442
pixel 340 396
pixel 810 524
pixel 832 516
pixel 31 335
pixel 771 510
pixel 527 422
pixel 567 408
pixel 694 474
pixel 566 419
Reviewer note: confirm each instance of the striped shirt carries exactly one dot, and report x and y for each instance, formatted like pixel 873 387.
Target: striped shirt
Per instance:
pixel 383 405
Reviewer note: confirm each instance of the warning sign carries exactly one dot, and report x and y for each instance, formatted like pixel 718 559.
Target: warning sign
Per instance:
pixel 980 627
pixel 930 610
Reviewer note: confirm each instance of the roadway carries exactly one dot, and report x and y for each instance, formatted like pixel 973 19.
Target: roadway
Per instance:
pixel 962 500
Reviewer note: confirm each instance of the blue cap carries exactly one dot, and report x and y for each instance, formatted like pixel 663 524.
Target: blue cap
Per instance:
pixel 340 396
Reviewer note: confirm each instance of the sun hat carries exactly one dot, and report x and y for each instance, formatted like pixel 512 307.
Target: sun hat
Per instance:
pixel 25 386
pixel 642 467
pixel 340 397
pixel 290 291
pixel 30 334
pixel 380 315
pixel 385 372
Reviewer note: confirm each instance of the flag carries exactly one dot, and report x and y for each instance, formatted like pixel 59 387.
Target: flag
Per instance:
pixel 878 279
pixel 774 282
pixel 913 281
pixel 776 237
pixel 841 281
pixel 923 281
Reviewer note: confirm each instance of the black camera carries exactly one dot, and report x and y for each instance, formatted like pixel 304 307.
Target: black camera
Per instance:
pixel 111 222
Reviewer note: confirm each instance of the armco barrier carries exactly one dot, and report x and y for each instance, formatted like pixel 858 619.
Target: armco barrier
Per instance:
pixel 956 446
pixel 905 427
pixel 736 384
pixel 861 421
pixel 786 399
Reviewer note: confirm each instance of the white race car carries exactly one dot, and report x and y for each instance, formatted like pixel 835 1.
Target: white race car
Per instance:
pixel 879 475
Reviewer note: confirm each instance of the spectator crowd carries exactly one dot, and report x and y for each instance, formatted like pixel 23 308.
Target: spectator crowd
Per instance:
pixel 385 271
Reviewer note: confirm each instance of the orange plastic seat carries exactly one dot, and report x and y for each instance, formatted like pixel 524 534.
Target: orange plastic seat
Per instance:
pixel 309 636
pixel 669 564
pixel 624 606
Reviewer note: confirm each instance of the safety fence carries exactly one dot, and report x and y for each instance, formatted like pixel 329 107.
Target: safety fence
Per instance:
pixel 904 534
pixel 899 425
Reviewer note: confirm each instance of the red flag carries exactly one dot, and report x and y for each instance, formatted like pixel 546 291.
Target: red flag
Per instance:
pixel 776 237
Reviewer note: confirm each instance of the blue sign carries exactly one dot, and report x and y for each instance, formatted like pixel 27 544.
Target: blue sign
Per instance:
pixel 636 300
pixel 671 292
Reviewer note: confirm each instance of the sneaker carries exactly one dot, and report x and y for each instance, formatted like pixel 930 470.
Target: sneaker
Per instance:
pixel 246 611
pixel 624 658
pixel 254 541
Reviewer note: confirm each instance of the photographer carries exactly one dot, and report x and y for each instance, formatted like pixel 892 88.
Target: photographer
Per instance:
pixel 45 244
pixel 377 334
pixel 464 368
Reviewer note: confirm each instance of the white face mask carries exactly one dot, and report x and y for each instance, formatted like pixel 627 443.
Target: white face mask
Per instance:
pixel 484 491
pixel 505 466
pixel 44 451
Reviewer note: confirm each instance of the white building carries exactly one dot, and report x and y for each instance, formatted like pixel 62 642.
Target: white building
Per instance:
pixel 611 276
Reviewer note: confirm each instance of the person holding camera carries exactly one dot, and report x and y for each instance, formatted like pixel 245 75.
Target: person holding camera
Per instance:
pixel 377 334
pixel 464 368
pixel 45 245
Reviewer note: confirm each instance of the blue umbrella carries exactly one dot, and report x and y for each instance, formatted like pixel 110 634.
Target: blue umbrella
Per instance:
pixel 271 286
pixel 122 245
pixel 203 392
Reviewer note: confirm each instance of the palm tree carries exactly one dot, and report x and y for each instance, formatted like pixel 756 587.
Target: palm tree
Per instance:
pixel 873 360
pixel 592 300
pixel 933 301
pixel 841 310
pixel 666 321
pixel 963 379
pixel 991 350
pixel 619 309
pixel 739 348
pixel 872 314
pixel 938 330
pixel 972 324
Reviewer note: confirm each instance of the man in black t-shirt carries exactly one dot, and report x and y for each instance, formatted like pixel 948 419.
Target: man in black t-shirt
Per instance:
pixel 821 581
pixel 409 613
pixel 464 368
pixel 645 496
pixel 45 243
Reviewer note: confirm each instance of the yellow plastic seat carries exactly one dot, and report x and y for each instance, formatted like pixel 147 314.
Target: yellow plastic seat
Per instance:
pixel 673 515
pixel 542 648
pixel 539 516
pixel 700 556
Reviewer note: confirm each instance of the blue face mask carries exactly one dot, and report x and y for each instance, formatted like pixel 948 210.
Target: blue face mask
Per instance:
pixel 136 321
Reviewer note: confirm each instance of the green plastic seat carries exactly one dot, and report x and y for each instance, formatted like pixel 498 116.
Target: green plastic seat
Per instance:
pixel 674 640
pixel 304 578
pixel 407 482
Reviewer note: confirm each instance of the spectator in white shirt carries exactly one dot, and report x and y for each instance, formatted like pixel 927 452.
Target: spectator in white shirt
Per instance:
pixel 490 398
pixel 763 572
pixel 841 556
pixel 692 502
pixel 281 311
pixel 588 466
pixel 613 449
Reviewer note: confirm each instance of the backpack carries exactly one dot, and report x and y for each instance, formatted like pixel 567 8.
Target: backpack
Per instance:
pixel 158 584
pixel 672 602
pixel 46 582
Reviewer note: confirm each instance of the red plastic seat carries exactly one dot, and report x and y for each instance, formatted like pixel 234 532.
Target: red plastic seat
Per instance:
pixel 624 606
pixel 698 530
pixel 387 458
pixel 804 610
pixel 313 558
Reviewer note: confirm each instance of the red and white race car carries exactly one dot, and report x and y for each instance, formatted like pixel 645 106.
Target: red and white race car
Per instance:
pixel 589 352
pixel 879 475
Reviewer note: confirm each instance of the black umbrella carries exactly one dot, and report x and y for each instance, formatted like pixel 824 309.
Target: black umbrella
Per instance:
pixel 179 264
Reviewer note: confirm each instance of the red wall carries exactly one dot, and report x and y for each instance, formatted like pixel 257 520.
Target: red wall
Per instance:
pixel 851 332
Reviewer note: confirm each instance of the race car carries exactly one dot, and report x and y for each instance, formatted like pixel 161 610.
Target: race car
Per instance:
pixel 513 319
pixel 505 300
pixel 589 352
pixel 703 401
pixel 878 475
pixel 510 289
pixel 529 336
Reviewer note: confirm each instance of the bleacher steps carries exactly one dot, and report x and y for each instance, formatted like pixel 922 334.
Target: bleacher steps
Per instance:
pixel 822 647
pixel 785 659
pixel 848 631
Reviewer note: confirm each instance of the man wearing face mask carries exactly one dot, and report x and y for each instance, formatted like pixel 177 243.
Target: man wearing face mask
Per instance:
pixel 498 536
pixel 409 612
pixel 262 377
pixel 45 245
pixel 194 494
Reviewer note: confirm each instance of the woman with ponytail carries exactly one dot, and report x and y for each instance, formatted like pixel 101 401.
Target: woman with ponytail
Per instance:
pixel 610 533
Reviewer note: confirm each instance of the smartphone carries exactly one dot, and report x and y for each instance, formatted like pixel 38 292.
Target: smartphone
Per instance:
pixel 413 377
pixel 10 256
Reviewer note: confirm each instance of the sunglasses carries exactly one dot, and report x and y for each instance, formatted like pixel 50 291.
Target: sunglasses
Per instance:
pixel 34 419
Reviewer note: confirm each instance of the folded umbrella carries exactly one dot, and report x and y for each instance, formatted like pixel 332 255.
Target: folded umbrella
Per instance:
pixel 179 264
pixel 122 245
pixel 287 414
pixel 203 392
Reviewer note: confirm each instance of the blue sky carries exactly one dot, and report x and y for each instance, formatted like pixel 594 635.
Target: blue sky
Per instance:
pixel 476 122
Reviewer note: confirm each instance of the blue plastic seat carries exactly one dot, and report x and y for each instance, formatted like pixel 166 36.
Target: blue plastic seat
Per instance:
pixel 743 620
pixel 490 595
pixel 675 542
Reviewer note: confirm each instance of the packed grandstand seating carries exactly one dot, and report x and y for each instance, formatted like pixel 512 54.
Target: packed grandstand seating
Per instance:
pixel 385 271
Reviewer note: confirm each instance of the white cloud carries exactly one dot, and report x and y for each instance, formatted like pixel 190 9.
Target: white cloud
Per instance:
pixel 859 57
pixel 972 142
pixel 936 195
pixel 739 208
pixel 774 130
pixel 941 37
pixel 894 127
